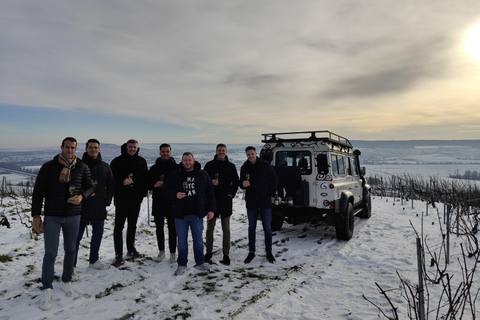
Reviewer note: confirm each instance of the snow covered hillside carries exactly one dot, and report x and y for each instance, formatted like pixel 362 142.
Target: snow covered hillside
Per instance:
pixel 315 277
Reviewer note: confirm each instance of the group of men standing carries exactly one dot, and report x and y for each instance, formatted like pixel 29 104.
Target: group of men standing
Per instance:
pixel 77 192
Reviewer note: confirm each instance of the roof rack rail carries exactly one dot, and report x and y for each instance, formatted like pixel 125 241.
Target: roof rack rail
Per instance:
pixel 314 136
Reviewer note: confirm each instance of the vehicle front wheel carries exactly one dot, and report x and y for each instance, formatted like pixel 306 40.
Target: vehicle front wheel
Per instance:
pixel 367 207
pixel 344 230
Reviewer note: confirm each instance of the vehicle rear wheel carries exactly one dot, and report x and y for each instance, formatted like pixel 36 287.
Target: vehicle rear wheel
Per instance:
pixel 367 207
pixel 277 221
pixel 344 230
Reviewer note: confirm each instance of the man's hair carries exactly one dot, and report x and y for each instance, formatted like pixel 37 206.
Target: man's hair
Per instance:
pixel 132 141
pixel 250 148
pixel 165 145
pixel 220 145
pixel 92 141
pixel 69 139
pixel 186 154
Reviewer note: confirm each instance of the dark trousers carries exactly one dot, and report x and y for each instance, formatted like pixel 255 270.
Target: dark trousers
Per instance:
pixel 172 234
pixel 126 211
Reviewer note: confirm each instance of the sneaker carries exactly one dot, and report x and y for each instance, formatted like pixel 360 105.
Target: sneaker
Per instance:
pixel 250 257
pixel 226 260
pixel 160 256
pixel 270 257
pixel 98 266
pixel 208 257
pixel 180 270
pixel 173 257
pixel 134 254
pixel 46 302
pixel 202 267
pixel 68 289
pixel 74 275
pixel 119 260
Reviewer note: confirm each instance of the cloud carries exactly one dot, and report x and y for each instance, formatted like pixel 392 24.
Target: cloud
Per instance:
pixel 215 66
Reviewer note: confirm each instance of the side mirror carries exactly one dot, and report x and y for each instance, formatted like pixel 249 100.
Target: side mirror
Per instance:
pixel 363 171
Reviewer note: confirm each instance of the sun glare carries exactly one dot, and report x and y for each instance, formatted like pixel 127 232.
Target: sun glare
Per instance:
pixel 472 43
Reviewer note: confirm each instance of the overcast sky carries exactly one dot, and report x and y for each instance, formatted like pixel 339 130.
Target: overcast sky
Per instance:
pixel 227 71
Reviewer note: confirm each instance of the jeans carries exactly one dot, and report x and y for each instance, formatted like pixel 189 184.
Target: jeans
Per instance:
pixel 127 211
pixel 266 215
pixel 172 235
pixel 196 227
pixel 52 226
pixel 226 235
pixel 97 234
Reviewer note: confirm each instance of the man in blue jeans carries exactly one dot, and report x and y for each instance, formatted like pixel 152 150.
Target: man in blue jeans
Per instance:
pixel 259 180
pixel 94 210
pixel 191 191
pixel 63 183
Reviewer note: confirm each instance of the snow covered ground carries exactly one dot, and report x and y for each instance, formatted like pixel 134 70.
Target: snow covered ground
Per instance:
pixel 315 277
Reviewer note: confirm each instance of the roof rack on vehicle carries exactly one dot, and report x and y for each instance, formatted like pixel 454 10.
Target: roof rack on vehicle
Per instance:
pixel 314 136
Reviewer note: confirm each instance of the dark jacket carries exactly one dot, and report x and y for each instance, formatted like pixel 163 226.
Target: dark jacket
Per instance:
pixel 121 167
pixel 263 184
pixel 94 209
pixel 205 196
pixel 56 193
pixel 161 206
pixel 227 184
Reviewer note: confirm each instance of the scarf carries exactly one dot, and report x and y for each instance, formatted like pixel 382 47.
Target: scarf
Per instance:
pixel 68 165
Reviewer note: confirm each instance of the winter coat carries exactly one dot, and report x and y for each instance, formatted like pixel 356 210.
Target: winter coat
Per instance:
pixel 263 184
pixel 121 167
pixel 227 184
pixel 94 209
pixel 205 196
pixel 161 206
pixel 56 193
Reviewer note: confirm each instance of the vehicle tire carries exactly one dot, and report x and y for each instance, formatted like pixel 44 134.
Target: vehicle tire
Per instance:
pixel 277 221
pixel 367 207
pixel 345 228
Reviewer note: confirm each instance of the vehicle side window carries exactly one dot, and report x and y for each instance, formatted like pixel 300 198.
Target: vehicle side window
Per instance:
pixel 338 165
pixel 322 163
pixel 354 167
pixel 349 166
pixel 302 159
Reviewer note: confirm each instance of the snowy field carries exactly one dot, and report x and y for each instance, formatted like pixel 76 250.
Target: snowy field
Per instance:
pixel 315 277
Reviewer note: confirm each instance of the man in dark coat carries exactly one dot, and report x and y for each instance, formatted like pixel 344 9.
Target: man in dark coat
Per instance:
pixel 225 179
pixel 162 206
pixel 191 191
pixel 131 173
pixel 63 183
pixel 259 180
pixel 94 210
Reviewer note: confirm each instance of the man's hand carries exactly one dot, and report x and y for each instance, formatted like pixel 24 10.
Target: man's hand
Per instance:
pixel 210 215
pixel 75 199
pixel 158 184
pixel 37 225
pixel 181 195
pixel 246 184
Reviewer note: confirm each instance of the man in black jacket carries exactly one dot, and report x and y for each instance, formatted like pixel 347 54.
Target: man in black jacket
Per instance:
pixel 225 179
pixel 94 210
pixel 63 183
pixel 131 173
pixel 162 206
pixel 259 180
pixel 191 191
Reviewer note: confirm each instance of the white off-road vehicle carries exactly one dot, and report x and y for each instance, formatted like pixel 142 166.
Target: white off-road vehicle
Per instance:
pixel 319 178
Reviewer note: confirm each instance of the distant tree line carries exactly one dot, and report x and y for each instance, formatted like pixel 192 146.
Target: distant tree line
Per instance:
pixel 468 175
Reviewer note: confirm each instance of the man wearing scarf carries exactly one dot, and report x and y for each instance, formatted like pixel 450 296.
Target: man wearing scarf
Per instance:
pixel 63 183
